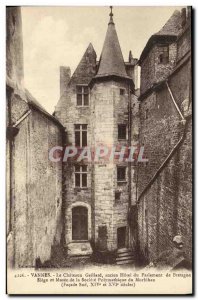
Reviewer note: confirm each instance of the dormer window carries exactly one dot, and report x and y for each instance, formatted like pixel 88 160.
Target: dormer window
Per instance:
pixel 164 55
pixel 82 95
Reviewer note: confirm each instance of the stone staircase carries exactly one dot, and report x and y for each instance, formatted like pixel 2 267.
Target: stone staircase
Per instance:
pixel 124 257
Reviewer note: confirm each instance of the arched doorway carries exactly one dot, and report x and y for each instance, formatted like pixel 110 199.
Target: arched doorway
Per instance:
pixel 79 223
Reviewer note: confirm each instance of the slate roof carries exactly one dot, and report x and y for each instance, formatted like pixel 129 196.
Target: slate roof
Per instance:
pixel 111 60
pixel 35 104
pixel 168 33
pixel 86 68
pixel 172 26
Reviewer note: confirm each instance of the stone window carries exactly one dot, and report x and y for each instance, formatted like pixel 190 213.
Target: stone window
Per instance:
pixel 122 131
pixel 81 176
pixel 80 135
pixel 117 195
pixel 164 55
pixel 122 91
pixel 121 174
pixel 82 95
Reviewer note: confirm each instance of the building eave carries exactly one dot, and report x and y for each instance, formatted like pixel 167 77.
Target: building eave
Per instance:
pixel 111 77
pixel 33 105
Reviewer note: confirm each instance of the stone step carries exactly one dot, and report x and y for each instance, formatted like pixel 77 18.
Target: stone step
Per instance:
pixel 79 249
pixel 122 250
pixel 124 258
pixel 124 254
pixel 125 262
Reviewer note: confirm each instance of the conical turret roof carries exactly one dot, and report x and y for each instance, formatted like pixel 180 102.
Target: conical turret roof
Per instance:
pixel 111 60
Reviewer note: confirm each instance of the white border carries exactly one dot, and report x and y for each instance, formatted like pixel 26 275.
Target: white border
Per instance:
pixel 3 3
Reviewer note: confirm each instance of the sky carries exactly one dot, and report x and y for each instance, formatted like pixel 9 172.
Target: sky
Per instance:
pixel 58 36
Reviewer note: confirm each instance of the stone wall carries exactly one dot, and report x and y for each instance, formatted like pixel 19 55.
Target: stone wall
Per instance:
pixel 165 210
pixel 135 132
pixel 165 207
pixel 69 114
pixel 14 45
pixel 148 71
pixel 34 183
pixel 110 109
pixel 159 132
pixel 152 71
pixel 14 112
pixel 184 42
pixel 107 108
pixel 163 70
pixel 34 212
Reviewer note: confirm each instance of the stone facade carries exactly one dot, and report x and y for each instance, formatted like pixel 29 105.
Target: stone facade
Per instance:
pixel 69 114
pixel 165 182
pixel 107 108
pixel 110 109
pixel 152 71
pixel 34 183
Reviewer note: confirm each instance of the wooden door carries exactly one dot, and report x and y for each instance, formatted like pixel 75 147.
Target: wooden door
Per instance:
pixel 79 223
pixel 102 238
pixel 121 237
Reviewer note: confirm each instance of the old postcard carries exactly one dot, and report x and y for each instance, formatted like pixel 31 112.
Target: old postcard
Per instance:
pixel 99 150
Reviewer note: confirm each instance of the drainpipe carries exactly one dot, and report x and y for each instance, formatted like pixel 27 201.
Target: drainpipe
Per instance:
pixel 24 116
pixel 183 120
pixel 164 163
pixel 12 129
pixel 174 102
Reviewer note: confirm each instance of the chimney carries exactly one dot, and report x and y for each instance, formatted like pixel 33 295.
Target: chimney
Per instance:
pixel 14 45
pixel 183 17
pixel 65 75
